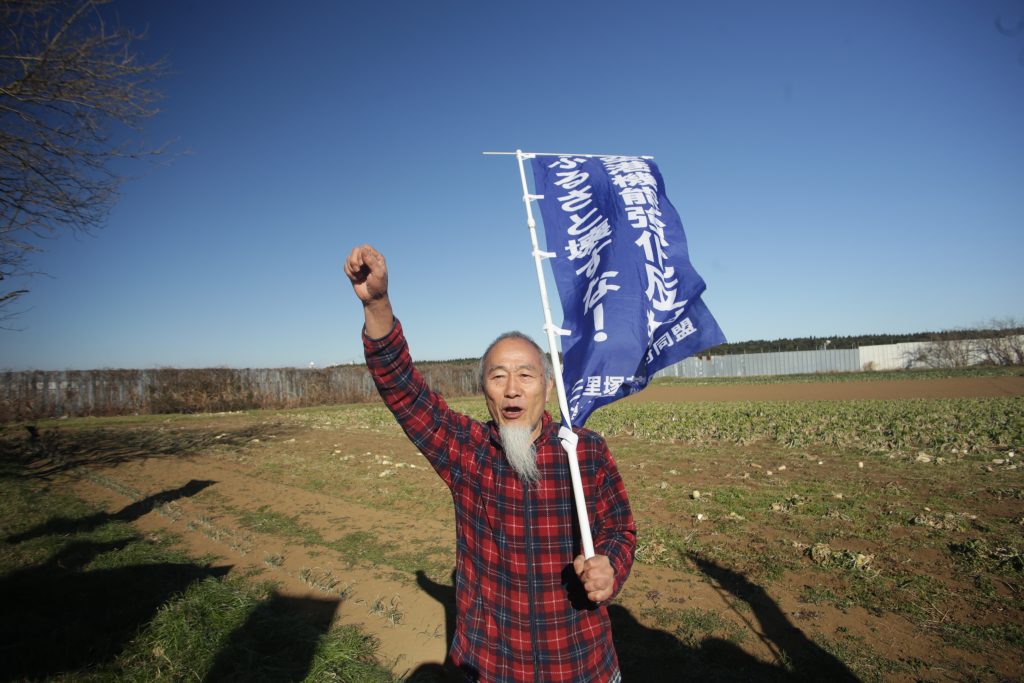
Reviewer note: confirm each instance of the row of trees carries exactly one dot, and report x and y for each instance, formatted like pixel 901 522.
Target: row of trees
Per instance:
pixel 994 330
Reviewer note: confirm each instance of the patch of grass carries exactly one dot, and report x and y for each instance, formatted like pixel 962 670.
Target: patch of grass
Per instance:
pixel 660 546
pixel 387 610
pixel 819 595
pixel 691 626
pixel 917 596
pixel 324 581
pixel 242 543
pixel 1006 493
pixel 358 546
pixel 760 559
pixel 87 597
pixel 861 658
pixel 267 521
pixel 998 557
pixel 231 630
pixel 363 546
pixel 112 484
pixel 978 638
pixel 743 500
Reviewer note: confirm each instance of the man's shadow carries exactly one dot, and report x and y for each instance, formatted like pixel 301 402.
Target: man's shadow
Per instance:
pixel 651 654
pixel 434 672
pixel 444 595
pixel 808 660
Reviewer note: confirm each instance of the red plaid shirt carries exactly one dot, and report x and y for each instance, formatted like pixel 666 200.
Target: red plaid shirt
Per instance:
pixel 522 612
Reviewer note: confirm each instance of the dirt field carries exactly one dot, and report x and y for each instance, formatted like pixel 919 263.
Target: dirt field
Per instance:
pixel 354 512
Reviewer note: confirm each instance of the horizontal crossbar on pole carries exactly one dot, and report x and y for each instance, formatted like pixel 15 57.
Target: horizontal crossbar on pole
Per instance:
pixel 568 154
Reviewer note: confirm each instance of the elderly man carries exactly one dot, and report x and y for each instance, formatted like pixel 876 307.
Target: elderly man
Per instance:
pixel 529 606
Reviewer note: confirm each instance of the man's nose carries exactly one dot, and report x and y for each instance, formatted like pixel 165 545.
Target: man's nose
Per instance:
pixel 512 388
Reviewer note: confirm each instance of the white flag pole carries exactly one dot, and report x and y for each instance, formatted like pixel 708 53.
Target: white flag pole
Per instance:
pixel 565 433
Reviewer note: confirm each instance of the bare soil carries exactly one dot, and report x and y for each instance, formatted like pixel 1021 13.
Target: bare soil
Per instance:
pixel 382 537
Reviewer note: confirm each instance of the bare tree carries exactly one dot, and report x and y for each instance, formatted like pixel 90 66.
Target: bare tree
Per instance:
pixel 72 92
pixel 1005 343
pixel 1001 343
pixel 945 351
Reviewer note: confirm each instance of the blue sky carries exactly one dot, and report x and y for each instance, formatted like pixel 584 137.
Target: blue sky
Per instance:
pixel 840 168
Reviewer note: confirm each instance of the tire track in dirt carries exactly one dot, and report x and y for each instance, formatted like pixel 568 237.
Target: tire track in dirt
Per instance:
pixel 387 602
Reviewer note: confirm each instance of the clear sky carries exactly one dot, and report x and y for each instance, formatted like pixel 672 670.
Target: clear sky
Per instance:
pixel 840 168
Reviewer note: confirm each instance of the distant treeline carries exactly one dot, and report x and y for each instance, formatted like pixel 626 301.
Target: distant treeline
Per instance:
pixel 855 341
pixel 32 395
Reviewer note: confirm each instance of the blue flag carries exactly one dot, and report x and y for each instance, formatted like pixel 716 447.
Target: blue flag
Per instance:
pixel 630 297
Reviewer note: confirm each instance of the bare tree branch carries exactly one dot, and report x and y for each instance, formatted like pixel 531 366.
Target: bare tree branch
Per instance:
pixel 1002 343
pixel 72 90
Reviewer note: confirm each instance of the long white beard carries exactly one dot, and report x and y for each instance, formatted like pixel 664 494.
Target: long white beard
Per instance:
pixel 520 451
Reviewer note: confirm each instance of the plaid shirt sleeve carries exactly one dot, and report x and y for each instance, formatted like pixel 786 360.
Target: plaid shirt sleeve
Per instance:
pixel 424 416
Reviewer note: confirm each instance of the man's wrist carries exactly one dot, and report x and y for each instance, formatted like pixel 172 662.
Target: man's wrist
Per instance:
pixel 380 319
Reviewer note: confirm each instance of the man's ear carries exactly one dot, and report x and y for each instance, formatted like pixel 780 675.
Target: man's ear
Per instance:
pixel 547 392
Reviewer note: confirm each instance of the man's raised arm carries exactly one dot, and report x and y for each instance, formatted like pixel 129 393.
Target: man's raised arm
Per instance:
pixel 368 273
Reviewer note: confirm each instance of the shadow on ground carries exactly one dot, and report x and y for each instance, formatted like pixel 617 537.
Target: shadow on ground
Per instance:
pixel 61 615
pixel 130 513
pixel 277 642
pixel 58 617
pixel 69 615
pixel 651 654
pixel 807 659
pixel 44 453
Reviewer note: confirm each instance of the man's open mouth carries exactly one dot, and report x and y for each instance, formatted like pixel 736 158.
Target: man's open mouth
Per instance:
pixel 511 412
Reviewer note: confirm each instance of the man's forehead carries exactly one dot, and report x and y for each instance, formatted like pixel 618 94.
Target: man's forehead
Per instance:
pixel 516 353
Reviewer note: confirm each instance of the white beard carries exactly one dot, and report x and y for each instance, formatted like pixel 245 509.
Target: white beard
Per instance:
pixel 520 452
